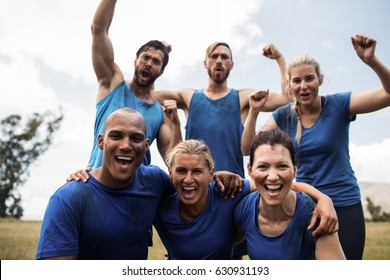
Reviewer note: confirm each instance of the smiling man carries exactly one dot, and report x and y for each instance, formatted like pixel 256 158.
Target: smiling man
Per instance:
pixel 108 216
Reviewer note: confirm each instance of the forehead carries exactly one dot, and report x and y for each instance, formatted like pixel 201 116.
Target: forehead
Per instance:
pixel 189 160
pixel 303 69
pixel 150 51
pixel 220 49
pixel 275 152
pixel 126 122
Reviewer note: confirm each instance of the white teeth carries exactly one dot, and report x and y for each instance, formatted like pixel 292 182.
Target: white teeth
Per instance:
pixel 123 158
pixel 189 188
pixel 273 187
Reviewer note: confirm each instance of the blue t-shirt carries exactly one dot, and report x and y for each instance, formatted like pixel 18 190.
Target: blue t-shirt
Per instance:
pixel 323 151
pixel 295 243
pixel 123 96
pixel 208 236
pixel 93 221
pixel 218 124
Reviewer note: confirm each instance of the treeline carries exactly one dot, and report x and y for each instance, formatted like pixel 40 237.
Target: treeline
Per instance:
pixel 376 212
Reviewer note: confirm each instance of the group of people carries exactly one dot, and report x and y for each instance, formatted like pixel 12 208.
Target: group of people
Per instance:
pixel 107 213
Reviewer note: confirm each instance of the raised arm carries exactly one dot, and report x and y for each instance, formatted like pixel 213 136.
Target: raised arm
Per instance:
pixel 276 100
pixel 257 100
pixel 373 100
pixel 170 132
pixel 107 72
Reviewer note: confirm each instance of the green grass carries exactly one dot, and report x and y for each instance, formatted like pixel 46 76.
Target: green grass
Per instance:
pixel 18 241
pixel 377 241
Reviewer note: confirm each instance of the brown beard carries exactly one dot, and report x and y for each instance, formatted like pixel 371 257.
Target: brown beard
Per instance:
pixel 219 78
pixel 149 82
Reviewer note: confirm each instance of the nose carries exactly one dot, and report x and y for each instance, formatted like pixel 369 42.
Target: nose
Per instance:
pixel 125 144
pixel 148 63
pixel 303 84
pixel 188 178
pixel 273 175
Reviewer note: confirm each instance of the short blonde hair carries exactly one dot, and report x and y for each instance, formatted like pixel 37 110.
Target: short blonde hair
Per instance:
pixel 213 46
pixel 192 146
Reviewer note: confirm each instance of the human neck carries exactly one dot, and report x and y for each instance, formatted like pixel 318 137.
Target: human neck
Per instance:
pixel 103 176
pixel 274 220
pixel 216 90
pixel 143 93
pixel 313 108
pixel 190 212
pixel 283 211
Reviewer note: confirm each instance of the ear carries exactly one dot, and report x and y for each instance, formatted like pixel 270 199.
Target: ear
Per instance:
pixel 147 143
pixel 100 142
pixel 211 174
pixel 249 168
pixel 170 172
pixel 321 79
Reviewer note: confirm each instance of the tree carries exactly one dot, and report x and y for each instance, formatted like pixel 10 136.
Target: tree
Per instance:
pixel 21 143
pixel 375 212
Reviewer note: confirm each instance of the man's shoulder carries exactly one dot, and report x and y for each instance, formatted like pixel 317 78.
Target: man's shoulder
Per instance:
pixel 150 170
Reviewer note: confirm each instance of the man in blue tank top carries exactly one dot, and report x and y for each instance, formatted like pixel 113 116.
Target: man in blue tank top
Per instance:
pixel 114 92
pixel 217 113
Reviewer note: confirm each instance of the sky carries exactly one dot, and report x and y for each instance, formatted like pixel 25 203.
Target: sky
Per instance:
pixel 45 62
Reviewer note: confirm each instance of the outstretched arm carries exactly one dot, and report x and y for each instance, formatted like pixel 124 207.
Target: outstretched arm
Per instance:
pixel 107 72
pixel 181 96
pixel 373 100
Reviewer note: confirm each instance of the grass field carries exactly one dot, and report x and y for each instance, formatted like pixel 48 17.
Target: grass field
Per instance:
pixel 18 241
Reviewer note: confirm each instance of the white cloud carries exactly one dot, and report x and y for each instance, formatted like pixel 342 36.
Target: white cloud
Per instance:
pixel 21 89
pixel 51 30
pixel 371 162
pixel 59 31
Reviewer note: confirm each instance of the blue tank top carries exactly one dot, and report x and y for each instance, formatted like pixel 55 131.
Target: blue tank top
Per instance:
pixel 323 151
pixel 123 96
pixel 218 124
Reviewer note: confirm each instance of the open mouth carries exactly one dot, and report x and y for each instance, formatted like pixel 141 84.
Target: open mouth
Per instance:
pixel 273 190
pixel 189 192
pixel 124 161
pixel 146 73
pixel 304 94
